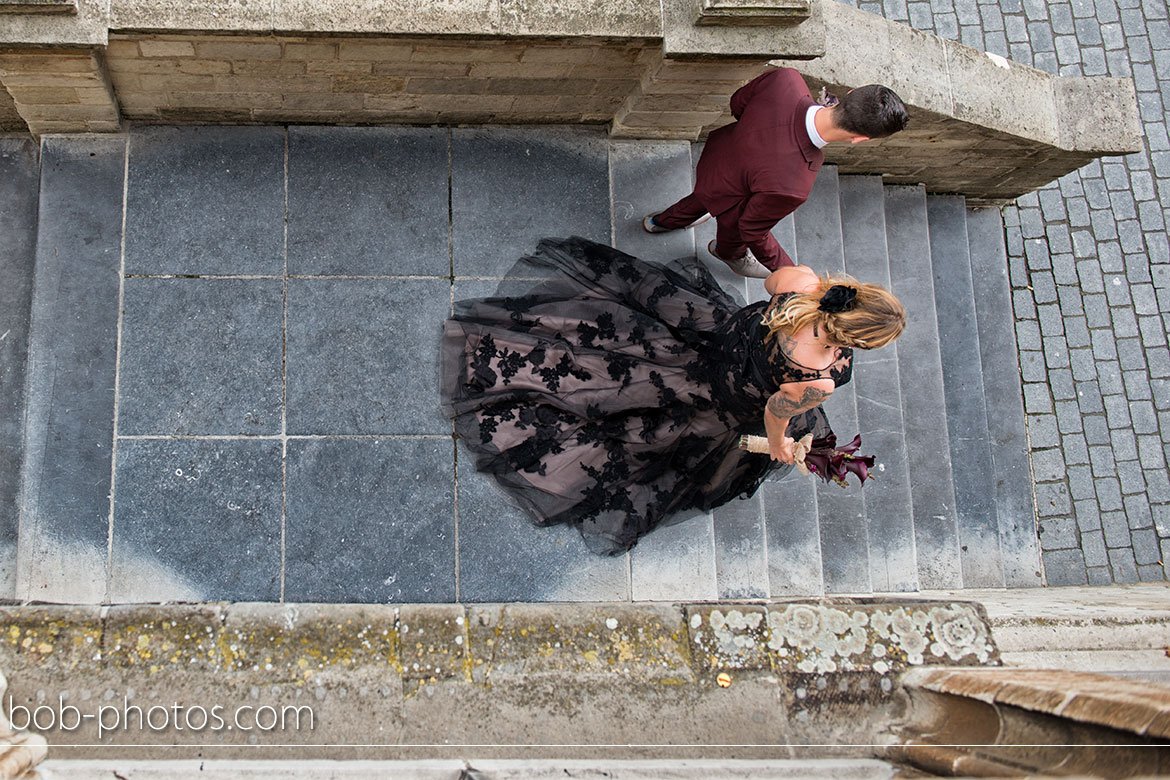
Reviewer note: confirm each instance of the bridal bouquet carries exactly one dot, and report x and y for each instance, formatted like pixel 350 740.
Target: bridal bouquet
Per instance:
pixel 821 457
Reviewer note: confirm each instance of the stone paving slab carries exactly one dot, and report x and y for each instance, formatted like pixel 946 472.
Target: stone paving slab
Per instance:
pixel 205 200
pixel 197 520
pixel 362 355
pixel 510 187
pixel 368 201
pixel 71 371
pixel 19 169
pixel 201 357
pixel 380 529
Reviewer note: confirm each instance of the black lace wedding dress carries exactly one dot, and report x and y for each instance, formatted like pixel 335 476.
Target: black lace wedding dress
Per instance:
pixel 611 393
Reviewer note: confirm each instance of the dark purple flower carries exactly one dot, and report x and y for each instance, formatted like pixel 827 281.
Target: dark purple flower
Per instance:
pixel 833 465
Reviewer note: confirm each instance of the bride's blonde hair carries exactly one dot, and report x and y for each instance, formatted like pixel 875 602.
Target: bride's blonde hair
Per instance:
pixel 872 319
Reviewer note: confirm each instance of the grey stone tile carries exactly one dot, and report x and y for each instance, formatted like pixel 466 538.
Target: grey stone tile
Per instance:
pixel 368 201
pixel 1088 397
pixel 1064 567
pixel 363 355
pixel 1076 449
pixel 555 182
pixel 1037 399
pixel 370 520
pixel 201 356
pixel 1088 516
pixel 1058 533
pixel 1151 573
pixel 1102 460
pixel 197 520
pixel 1145 547
pixel 1130 474
pixel 1108 491
pixel 1042 430
pixel 1137 512
pixel 1047 465
pixel 741 558
pixel 962 367
pixel 205 200
pixel 1124 567
pixel 1062 385
pixel 72 344
pixel 793 537
pixel 504 557
pixel 648 176
pixel 1124 444
pixel 1052 499
pixel 675 563
pixel 19 172
pixel 1100 576
pixel 1068 417
pixel 1080 484
pixel 1116 529
pixel 1093 547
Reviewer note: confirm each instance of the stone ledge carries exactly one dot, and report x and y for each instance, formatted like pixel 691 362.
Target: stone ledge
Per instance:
pixel 496 674
pixel 38 6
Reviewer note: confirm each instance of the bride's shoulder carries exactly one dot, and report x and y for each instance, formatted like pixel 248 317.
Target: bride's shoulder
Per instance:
pixel 793 278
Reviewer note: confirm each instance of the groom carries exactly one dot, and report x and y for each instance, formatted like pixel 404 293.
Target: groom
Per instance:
pixel 758 170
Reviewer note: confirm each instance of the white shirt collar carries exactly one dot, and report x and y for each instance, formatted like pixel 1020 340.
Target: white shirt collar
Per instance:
pixel 811 126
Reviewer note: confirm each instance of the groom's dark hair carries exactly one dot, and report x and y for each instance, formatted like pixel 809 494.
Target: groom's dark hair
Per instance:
pixel 872 110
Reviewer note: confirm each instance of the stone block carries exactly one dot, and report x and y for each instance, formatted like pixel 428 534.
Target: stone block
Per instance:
pixel 197 520
pixel 350 502
pixel 522 642
pixel 348 343
pixel 178 638
pixel 201 356
pixel 64 532
pixel 432 642
pixel 296 642
pixel 186 178
pixel 724 639
pixel 68 636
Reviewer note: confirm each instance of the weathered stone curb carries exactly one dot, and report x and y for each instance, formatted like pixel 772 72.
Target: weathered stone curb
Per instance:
pixel 767 674
pixel 483 644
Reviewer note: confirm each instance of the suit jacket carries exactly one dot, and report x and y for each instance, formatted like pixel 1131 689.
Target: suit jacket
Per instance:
pixel 757 170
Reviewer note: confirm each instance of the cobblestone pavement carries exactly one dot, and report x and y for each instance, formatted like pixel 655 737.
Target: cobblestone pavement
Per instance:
pixel 1090 275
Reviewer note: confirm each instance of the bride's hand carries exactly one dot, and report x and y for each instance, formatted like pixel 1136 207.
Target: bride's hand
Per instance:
pixel 781 448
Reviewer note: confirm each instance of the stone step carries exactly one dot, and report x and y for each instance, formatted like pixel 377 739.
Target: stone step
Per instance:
pixel 72 352
pixel 924 416
pixel 19 171
pixel 1007 434
pixel 889 518
pixel 841 513
pixel 972 470
pixel 477 769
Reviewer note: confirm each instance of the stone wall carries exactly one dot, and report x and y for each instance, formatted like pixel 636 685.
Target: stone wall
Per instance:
pixel 983 127
pixel 268 79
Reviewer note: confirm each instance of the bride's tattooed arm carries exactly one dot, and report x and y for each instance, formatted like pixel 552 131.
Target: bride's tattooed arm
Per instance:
pixel 790 400
pixel 784 407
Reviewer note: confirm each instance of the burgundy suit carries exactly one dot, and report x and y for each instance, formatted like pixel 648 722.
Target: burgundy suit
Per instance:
pixel 756 171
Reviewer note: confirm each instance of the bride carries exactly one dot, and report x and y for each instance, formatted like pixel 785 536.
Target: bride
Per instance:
pixel 612 393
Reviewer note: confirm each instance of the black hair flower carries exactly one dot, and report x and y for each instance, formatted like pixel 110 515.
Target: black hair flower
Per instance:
pixel 839 298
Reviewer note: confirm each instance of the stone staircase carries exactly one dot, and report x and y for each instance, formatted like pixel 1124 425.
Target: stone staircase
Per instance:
pixel 952 505
pixel 951 508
